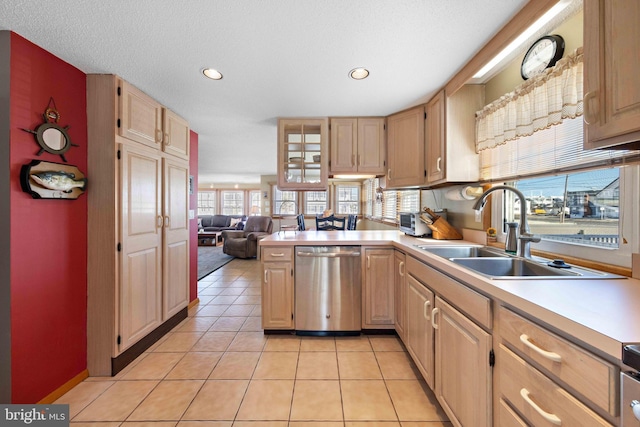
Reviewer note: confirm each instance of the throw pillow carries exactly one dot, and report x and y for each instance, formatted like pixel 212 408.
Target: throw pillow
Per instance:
pixel 235 222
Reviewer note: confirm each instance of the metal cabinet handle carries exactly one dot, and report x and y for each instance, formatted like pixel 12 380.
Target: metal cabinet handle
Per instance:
pixel 167 139
pixel 438 164
pixel 158 136
pixel 434 312
pixel 401 268
pixel 368 261
pixel 425 313
pixel 554 357
pixel 635 406
pixel 389 174
pixel 265 276
pixel 277 255
pixel 552 418
pixel 167 221
pixel 588 115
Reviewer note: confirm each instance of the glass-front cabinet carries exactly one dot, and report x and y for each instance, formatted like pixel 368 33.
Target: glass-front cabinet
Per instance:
pixel 302 154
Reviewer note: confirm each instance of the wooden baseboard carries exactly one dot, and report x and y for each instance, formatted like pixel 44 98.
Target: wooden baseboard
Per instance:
pixel 62 390
pixel 194 303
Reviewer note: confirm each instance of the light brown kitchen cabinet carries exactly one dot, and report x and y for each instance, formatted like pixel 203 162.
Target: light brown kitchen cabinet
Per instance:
pixel 302 154
pixel 419 333
pixel 450 154
pixel 138 239
pixel 400 294
pixel 378 290
pixel 405 148
pixel 611 78
pixel 277 288
pixel 462 367
pixel 358 145
pixel 144 120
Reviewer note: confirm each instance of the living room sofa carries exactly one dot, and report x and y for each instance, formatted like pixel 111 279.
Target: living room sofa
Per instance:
pixel 211 223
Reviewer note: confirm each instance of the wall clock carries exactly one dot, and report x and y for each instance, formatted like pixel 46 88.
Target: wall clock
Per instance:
pixel 542 54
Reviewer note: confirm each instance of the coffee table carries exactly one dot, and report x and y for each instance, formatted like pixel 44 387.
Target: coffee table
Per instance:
pixel 210 238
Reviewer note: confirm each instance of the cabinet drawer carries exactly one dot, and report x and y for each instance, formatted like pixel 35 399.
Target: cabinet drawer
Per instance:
pixel 589 375
pixel 507 417
pixel 541 401
pixel 276 253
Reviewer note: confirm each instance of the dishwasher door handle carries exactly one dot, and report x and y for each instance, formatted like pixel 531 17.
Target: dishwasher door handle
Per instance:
pixel 328 254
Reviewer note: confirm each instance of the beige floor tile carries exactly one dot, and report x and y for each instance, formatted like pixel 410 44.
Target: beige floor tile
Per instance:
pixel 414 401
pixel 179 341
pixel 212 310
pixel 224 299
pixel 198 324
pixel 83 394
pixel 397 365
pixel 154 366
pixel 217 400
pixel 214 341
pixel 277 365
pixel 260 424
pixel 232 324
pixel 316 424
pixel 168 401
pixel 195 366
pixel 231 291
pixel 252 324
pixel 204 424
pixel 316 400
pixel 236 366
pixel 282 343
pixel 252 291
pixel 386 343
pixel 239 310
pixel 210 291
pixel 318 344
pixel 425 424
pixel 257 311
pixel 372 424
pixel 267 400
pixel 248 299
pixel 360 343
pixel 358 365
pixel 248 341
pixel 97 424
pixel 117 402
pixel 317 365
pixel 204 300
pixel 366 400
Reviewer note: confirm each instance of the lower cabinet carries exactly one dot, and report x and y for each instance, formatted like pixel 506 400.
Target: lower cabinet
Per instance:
pixel 400 294
pixel 378 289
pixel 419 333
pixel 462 367
pixel 277 288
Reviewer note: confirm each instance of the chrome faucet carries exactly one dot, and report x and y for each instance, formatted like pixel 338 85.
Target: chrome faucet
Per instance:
pixel 525 237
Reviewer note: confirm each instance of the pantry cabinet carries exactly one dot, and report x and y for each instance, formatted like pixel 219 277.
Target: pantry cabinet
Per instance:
pixel 611 79
pixel 302 154
pixel 138 238
pixel 358 145
pixel 378 289
pixel 405 148
pixel 277 288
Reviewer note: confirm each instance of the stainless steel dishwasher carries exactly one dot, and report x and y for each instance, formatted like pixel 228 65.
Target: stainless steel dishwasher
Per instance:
pixel 328 288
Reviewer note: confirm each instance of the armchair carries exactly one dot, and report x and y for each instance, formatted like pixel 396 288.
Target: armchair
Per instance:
pixel 244 243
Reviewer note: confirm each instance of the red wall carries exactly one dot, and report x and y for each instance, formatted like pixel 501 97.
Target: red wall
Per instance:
pixel 48 237
pixel 193 229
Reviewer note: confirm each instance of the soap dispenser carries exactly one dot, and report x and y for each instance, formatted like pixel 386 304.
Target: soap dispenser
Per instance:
pixel 511 245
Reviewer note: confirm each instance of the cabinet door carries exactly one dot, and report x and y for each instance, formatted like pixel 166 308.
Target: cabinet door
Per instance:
pixel 435 139
pixel 611 79
pixel 400 294
pixel 344 145
pixel 175 140
pixel 405 148
pixel 372 147
pixel 175 253
pixel 277 296
pixel 140 116
pixel 419 340
pixel 302 154
pixel 463 374
pixel 378 289
pixel 140 307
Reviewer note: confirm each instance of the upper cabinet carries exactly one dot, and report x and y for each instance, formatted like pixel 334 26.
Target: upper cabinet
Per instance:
pixel 302 154
pixel 358 145
pixel 405 148
pixel 611 79
pixel 450 154
pixel 144 120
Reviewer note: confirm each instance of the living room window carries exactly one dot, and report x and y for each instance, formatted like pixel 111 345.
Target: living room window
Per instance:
pixel 206 202
pixel 348 199
pixel 232 202
pixel 284 202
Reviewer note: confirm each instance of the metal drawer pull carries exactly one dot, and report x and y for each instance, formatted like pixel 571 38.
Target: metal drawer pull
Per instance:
pixel 277 255
pixel 555 357
pixel 433 317
pixel 328 254
pixel 552 418
pixel 635 406
pixel 401 268
pixel 427 304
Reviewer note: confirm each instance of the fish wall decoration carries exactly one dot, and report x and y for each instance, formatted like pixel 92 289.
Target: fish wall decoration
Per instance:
pixel 47 180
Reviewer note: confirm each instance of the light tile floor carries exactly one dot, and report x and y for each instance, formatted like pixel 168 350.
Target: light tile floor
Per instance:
pixel 218 369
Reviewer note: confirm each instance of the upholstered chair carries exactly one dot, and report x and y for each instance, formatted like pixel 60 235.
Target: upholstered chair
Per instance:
pixel 244 243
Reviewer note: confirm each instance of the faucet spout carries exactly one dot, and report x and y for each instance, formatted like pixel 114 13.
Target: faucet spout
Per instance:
pixel 524 236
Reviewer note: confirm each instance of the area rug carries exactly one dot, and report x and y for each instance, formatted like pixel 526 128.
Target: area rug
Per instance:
pixel 211 258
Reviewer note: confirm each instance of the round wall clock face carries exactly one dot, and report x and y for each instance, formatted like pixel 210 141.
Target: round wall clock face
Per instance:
pixel 544 53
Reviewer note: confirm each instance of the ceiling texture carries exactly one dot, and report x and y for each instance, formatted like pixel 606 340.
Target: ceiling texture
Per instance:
pixel 279 58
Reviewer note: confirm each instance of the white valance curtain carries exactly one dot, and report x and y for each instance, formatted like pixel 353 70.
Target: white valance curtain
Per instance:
pixel 538 103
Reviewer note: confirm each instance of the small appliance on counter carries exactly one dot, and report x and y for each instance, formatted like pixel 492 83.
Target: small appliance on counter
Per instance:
pixel 411 225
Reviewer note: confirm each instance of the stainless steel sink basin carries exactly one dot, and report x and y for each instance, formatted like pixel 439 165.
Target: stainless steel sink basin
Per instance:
pixel 463 251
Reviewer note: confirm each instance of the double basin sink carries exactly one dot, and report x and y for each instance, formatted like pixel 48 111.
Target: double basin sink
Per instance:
pixel 496 264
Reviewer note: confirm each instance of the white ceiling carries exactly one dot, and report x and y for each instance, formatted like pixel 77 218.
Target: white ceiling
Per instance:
pixel 279 58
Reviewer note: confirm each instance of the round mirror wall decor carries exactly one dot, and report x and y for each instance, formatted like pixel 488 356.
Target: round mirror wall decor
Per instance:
pixel 50 136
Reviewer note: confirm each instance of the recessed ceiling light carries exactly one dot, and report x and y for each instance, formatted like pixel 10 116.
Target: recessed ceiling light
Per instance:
pixel 212 74
pixel 359 73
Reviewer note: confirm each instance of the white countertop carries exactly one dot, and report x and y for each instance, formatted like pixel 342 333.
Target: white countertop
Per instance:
pixel 602 313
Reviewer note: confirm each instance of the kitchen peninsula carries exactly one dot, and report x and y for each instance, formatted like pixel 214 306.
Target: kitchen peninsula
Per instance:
pixel 459 327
